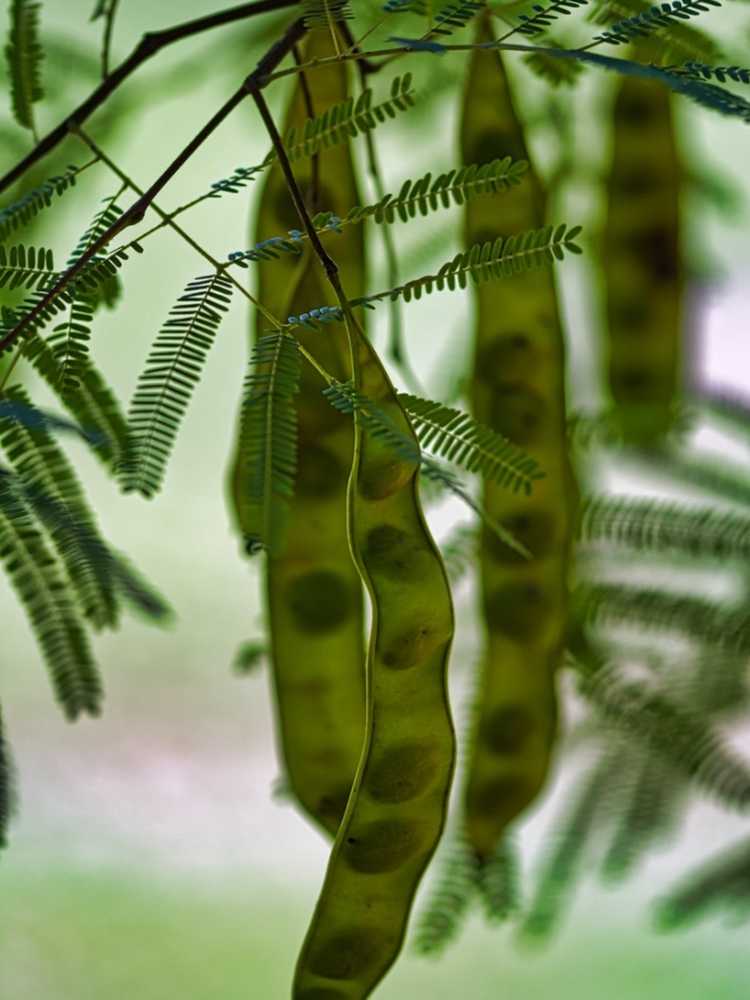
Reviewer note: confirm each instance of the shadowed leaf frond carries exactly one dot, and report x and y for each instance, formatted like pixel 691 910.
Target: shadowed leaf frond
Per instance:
pixel 24 56
pixel 346 120
pixel 544 14
pixel 457 437
pixel 721 883
pixel 6 787
pixel 34 574
pixel 569 842
pixel 457 186
pixel 53 492
pixel 19 213
pixel 612 604
pixel 498 882
pixel 700 71
pixel 683 737
pixel 447 904
pixel 659 16
pixel 26 267
pixel 344 398
pixel 324 13
pixel 268 439
pixel 173 369
pixel 488 261
pixel 660 526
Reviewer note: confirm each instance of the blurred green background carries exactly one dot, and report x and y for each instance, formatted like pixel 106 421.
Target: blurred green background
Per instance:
pixel 149 856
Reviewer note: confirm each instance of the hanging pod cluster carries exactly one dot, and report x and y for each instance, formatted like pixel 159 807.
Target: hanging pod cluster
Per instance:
pixel 313 591
pixel 518 389
pixel 643 269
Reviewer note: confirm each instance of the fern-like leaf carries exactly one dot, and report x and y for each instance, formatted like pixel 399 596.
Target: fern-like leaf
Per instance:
pixel 268 438
pixel 56 497
pixel 498 883
pixel 684 738
pixel 459 551
pixel 342 122
pixel 659 16
pixel 565 857
pixel 19 213
pixel 26 267
pixel 426 195
pixel 172 371
pixel 457 437
pixel 325 13
pixel 700 71
pixel 440 921
pixel 34 574
pixel 24 56
pixel 721 883
pixel 487 261
pixel 607 604
pixel 654 526
pixel 544 15
pixel 346 399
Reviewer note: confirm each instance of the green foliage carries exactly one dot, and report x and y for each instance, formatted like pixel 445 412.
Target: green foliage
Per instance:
pixel 346 120
pixel 544 15
pixel 26 267
pixel 553 71
pixel 682 736
pixel 325 13
pixel 443 21
pixel 268 438
pixel 426 195
pixel 45 472
pixel 249 657
pixel 500 258
pixel 447 905
pixel 20 212
pixel 655 526
pixel 35 575
pixel 641 25
pixel 607 604
pixel 677 41
pixel 721 883
pixel 565 855
pixel 377 423
pixel 700 71
pixel 24 56
pixel 498 883
pixel 457 437
pixel 173 369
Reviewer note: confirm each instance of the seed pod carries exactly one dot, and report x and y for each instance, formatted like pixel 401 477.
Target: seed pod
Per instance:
pixel 643 269
pixel 314 593
pixel 517 389
pixel 396 812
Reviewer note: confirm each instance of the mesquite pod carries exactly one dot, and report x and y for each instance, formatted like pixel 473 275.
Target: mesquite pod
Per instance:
pixel 397 808
pixel 642 264
pixel 313 591
pixel 518 389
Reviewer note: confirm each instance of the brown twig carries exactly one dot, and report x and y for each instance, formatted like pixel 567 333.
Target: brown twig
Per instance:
pixel 149 45
pixel 252 84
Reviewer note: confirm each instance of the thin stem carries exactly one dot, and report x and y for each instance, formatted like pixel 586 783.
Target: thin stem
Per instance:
pixel 329 265
pixel 258 78
pixel 310 109
pixel 149 45
pixel 107 40
pixel 168 220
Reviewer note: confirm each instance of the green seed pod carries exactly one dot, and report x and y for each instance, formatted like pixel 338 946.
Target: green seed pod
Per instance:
pixel 518 389
pixel 314 593
pixel 643 268
pixel 396 812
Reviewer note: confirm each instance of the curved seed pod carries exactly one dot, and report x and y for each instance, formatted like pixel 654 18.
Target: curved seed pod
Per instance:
pixel 643 268
pixel 396 812
pixel 314 594
pixel 517 389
